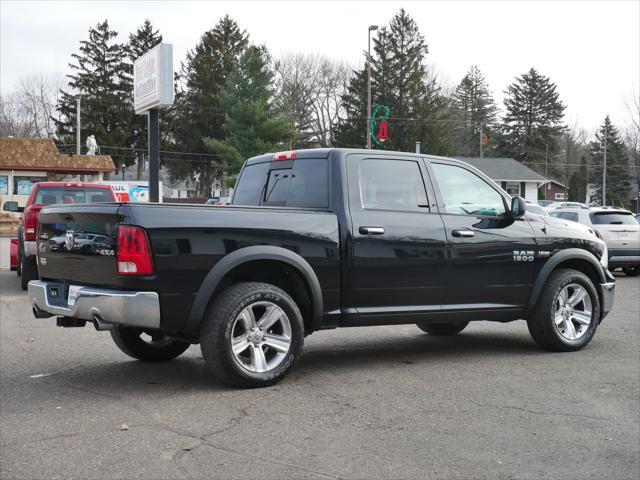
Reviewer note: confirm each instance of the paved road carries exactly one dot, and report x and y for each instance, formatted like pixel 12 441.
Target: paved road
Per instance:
pixel 362 403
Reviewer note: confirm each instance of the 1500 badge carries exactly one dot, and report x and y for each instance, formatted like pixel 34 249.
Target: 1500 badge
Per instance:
pixel 523 255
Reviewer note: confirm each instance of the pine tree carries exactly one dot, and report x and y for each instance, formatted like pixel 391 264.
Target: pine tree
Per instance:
pixel 533 119
pixel 99 79
pixel 197 113
pixel 251 126
pixel 401 81
pixel 618 173
pixel 472 107
pixel 350 130
pixel 140 42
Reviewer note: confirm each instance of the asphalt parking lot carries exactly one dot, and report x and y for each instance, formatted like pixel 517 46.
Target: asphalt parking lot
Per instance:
pixel 386 402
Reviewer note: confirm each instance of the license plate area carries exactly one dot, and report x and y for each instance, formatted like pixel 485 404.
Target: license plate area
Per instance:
pixel 56 294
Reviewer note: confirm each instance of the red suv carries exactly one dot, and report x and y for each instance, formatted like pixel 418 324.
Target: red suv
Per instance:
pixel 43 194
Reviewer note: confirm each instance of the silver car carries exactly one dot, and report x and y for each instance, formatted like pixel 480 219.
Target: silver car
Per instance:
pixel 617 227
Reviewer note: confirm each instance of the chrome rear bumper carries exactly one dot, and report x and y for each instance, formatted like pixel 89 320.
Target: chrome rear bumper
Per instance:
pixel 135 309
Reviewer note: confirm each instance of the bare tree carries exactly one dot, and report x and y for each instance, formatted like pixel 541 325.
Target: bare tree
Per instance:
pixel 310 91
pixel 632 141
pixel 29 111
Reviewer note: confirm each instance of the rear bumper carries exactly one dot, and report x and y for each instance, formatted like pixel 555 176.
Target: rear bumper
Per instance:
pixel 607 292
pixel 623 257
pixel 108 307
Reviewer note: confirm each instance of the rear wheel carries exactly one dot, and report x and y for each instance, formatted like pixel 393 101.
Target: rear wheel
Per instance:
pixel 631 271
pixel 28 270
pixel 150 346
pixel 442 329
pixel 567 313
pixel 252 335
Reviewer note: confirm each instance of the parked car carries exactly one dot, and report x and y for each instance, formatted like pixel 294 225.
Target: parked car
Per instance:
pixel 545 203
pixel 617 228
pixel 223 201
pixel 554 205
pixel 637 217
pixel 319 239
pixel 212 201
pixel 48 193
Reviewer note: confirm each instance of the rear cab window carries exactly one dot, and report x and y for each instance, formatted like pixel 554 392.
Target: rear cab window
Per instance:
pixel 71 195
pixel 612 218
pixel 299 183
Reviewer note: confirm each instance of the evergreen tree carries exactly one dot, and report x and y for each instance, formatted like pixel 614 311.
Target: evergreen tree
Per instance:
pixel 533 119
pixel 472 107
pixel 99 79
pixel 350 130
pixel 401 81
pixel 252 126
pixel 578 183
pixel 140 42
pixel 618 174
pixel 197 113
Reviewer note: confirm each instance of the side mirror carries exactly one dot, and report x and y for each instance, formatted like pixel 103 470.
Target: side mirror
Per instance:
pixel 12 206
pixel 518 207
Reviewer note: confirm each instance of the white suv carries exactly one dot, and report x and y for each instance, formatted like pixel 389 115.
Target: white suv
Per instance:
pixel 617 227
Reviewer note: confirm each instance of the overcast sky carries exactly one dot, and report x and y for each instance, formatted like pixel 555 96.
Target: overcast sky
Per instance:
pixel 590 49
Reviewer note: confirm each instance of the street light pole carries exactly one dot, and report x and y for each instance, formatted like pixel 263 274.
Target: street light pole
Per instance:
pixel 371 28
pixel 604 168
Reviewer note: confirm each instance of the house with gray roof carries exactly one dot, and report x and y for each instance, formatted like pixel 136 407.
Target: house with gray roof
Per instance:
pixel 511 175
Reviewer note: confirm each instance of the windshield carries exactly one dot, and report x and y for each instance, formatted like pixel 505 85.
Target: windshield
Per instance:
pixel 71 195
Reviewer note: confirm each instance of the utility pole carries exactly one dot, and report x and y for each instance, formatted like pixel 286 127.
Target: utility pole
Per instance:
pixel 604 168
pixel 481 140
pixel 371 28
pixel 78 126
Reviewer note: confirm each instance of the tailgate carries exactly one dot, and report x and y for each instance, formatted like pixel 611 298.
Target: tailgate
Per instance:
pixel 76 244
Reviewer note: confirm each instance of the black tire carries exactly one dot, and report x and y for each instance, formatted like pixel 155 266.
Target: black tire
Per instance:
pixel 219 327
pixel 631 271
pixel 159 349
pixel 442 329
pixel 19 265
pixel 29 271
pixel 541 323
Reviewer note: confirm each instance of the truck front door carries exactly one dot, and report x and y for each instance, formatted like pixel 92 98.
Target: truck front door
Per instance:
pixel 491 256
pixel 395 270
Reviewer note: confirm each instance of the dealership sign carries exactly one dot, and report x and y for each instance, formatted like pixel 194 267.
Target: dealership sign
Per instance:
pixel 153 79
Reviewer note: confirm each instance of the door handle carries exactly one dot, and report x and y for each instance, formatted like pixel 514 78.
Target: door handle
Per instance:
pixel 371 231
pixel 463 233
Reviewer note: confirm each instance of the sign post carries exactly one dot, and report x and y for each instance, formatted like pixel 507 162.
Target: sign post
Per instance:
pixel 152 91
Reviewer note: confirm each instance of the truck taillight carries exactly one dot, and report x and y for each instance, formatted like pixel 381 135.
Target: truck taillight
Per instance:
pixel 133 251
pixel 30 224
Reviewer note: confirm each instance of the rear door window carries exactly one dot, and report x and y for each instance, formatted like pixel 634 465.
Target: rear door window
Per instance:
pixel 302 183
pixel 612 218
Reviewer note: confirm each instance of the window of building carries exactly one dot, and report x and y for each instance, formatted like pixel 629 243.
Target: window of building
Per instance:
pixel 513 189
pixel 23 185
pixel 392 185
pixel 4 185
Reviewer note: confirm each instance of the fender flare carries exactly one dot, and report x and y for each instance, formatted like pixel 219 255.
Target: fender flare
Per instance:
pixel 249 254
pixel 555 260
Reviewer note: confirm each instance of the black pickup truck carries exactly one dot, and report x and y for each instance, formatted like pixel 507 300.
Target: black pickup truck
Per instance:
pixel 319 239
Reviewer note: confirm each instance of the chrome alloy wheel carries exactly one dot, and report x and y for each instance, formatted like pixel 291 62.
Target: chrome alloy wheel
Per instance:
pixel 573 311
pixel 261 337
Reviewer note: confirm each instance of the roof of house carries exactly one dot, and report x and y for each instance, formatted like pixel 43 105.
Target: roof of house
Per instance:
pixel 42 154
pixel 504 169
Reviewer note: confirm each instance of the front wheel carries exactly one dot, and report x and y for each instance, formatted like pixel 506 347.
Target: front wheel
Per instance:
pixel 631 271
pixel 442 329
pixel 567 312
pixel 252 335
pixel 151 346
